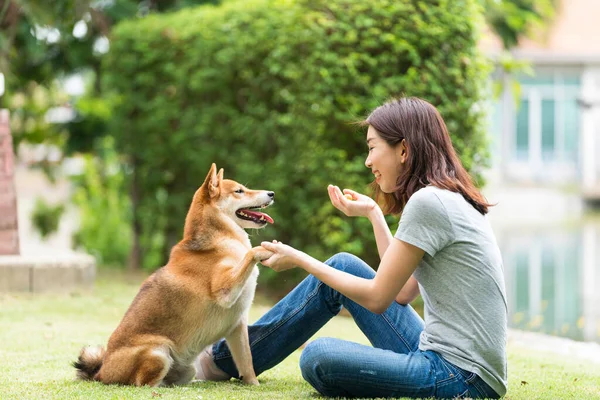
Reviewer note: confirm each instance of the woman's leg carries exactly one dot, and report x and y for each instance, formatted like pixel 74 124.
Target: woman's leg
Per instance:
pixel 299 315
pixel 339 368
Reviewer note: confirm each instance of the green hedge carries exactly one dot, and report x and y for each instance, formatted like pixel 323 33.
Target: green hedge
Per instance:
pixel 268 90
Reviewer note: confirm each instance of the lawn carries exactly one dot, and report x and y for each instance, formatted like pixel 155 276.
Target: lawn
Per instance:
pixel 42 334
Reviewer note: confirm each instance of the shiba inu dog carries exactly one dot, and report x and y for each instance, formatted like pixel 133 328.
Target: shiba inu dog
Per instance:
pixel 202 295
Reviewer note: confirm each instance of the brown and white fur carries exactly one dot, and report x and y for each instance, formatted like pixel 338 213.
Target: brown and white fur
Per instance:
pixel 203 294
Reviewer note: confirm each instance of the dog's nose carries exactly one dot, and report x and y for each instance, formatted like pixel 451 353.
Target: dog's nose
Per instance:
pixel 271 194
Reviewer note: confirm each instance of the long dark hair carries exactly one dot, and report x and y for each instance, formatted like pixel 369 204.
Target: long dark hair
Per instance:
pixel 431 158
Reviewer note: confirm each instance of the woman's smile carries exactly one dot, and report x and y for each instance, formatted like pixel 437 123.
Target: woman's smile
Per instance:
pixel 377 176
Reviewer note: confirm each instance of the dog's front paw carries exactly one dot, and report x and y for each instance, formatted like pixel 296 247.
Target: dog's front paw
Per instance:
pixel 260 253
pixel 250 381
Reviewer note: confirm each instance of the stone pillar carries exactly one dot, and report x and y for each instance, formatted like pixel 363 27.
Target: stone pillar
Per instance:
pixel 9 235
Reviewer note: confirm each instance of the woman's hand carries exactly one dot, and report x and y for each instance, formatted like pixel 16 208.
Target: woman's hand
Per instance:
pixel 284 257
pixel 351 203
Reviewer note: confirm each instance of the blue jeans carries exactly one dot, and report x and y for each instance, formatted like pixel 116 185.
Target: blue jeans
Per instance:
pixel 393 367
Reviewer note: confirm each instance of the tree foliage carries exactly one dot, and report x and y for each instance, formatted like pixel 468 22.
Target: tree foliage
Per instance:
pixel 103 203
pixel 46 217
pixel 269 89
pixel 513 20
pixel 42 41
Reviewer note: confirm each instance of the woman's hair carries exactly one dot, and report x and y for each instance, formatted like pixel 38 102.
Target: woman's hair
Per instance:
pixel 431 159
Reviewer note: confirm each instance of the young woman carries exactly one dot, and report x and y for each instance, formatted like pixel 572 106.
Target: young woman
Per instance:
pixel 443 249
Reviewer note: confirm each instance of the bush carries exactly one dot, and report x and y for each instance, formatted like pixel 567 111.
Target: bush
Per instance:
pixel 103 204
pixel 267 90
pixel 45 217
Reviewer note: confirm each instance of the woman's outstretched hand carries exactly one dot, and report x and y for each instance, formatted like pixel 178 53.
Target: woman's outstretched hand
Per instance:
pixel 351 203
pixel 284 257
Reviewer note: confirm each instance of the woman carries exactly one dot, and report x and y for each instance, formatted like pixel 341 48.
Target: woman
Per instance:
pixel 443 249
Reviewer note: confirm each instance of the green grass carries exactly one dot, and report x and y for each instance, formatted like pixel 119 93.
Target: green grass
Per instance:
pixel 41 335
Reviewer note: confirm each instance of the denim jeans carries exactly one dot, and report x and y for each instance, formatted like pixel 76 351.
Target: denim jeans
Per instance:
pixel 393 367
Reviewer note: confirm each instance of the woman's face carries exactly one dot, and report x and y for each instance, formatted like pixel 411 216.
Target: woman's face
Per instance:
pixel 386 162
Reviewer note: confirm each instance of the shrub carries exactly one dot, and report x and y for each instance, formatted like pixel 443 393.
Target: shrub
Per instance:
pixel 104 208
pixel 267 90
pixel 45 217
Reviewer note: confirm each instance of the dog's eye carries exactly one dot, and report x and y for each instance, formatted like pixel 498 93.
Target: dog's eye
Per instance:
pixel 240 191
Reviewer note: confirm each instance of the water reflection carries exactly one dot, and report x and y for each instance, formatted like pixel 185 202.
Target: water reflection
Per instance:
pixel 553 279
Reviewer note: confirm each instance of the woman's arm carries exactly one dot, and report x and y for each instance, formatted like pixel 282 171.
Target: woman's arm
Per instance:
pixel 398 263
pixel 383 236
pixel 409 291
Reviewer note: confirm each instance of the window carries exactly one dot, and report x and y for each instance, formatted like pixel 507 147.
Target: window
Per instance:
pixel 546 124
pixel 571 129
pixel 548 131
pixel 522 142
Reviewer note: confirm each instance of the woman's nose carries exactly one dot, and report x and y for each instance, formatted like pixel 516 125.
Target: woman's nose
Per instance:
pixel 368 163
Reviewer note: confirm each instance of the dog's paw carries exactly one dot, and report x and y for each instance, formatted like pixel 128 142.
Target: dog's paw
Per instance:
pixel 260 253
pixel 250 381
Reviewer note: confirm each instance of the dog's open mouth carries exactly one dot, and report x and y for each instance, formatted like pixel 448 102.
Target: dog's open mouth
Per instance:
pixel 251 214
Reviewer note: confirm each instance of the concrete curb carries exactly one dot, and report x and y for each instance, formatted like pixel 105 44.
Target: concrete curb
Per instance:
pixel 38 274
pixel 588 351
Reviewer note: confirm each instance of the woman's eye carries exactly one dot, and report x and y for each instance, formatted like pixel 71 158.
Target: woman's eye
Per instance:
pixel 240 191
pixel 370 148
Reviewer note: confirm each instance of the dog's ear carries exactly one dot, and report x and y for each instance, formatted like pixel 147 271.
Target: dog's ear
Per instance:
pixel 220 176
pixel 214 186
pixel 211 183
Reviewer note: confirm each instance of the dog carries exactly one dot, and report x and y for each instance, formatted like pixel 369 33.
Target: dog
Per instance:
pixel 203 294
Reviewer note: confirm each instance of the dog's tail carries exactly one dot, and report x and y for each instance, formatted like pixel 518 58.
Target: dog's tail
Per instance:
pixel 89 362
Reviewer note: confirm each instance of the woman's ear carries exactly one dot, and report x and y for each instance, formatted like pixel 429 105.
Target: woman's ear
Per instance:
pixel 402 151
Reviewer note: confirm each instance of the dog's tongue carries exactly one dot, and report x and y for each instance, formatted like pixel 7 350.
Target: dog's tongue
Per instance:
pixel 257 215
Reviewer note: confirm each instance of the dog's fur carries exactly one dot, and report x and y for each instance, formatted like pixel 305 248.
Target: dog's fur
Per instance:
pixel 202 295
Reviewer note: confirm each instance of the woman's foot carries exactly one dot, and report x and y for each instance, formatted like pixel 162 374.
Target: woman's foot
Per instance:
pixel 206 369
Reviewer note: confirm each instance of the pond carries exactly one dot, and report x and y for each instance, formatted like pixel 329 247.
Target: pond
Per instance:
pixel 553 278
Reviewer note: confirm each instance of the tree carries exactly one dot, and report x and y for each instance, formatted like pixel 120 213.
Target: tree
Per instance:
pixel 512 20
pixel 43 41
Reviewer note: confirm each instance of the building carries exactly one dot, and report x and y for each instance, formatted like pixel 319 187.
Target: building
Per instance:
pixel 545 166
pixel 551 135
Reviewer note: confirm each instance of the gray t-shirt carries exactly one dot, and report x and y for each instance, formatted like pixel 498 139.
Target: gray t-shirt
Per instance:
pixel 461 281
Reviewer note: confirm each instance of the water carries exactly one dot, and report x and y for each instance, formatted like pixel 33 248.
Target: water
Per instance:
pixel 553 278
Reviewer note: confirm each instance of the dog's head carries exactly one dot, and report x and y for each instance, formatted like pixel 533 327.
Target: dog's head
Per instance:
pixel 234 200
